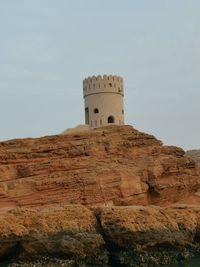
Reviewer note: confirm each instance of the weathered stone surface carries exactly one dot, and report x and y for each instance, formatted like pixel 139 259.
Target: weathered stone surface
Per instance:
pixel 150 236
pixel 69 232
pixel 129 236
pixel 115 165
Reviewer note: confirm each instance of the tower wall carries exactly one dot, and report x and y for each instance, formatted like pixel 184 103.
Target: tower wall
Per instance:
pixel 103 100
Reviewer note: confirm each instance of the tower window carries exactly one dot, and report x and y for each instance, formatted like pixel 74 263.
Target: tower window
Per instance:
pixel 111 119
pixel 122 111
pixel 96 110
pixel 110 84
pixel 100 122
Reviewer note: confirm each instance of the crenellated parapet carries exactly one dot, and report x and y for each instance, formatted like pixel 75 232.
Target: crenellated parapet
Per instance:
pixel 103 84
pixel 103 97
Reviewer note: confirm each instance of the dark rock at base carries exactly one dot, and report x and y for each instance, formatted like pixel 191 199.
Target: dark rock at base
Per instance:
pixel 69 234
pixel 75 236
pixel 150 236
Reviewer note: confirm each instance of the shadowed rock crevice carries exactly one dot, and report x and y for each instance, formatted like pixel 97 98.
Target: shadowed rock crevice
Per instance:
pixel 110 247
pixel 12 252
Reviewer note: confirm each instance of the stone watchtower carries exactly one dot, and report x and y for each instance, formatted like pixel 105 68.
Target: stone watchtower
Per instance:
pixel 103 100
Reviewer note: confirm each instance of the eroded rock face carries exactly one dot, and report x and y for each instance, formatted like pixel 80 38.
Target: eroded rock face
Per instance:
pixel 115 165
pixel 69 233
pixel 150 236
pixel 130 236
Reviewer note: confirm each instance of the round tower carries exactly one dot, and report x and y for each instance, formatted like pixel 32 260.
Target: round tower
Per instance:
pixel 104 103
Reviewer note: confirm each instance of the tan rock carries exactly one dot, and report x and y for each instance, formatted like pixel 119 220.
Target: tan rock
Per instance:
pixel 150 236
pixel 114 165
pixel 77 129
pixel 130 236
pixel 69 232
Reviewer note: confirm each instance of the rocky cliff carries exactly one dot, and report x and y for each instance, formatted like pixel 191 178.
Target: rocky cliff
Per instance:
pixel 115 236
pixel 88 199
pixel 115 165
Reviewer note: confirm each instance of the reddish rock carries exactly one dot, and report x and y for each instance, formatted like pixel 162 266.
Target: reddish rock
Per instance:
pixel 115 165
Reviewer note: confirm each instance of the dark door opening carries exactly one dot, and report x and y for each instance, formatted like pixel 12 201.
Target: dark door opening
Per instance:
pixel 111 119
pixel 87 116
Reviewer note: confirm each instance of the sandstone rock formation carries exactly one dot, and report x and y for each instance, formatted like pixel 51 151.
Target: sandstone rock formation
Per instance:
pixel 115 165
pixel 150 236
pixel 71 197
pixel 118 236
pixel 69 233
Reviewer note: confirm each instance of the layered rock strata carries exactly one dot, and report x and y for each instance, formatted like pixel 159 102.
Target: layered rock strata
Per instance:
pixel 115 165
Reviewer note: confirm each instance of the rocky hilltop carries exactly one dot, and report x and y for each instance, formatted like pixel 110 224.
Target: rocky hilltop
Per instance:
pixel 115 165
pixel 113 196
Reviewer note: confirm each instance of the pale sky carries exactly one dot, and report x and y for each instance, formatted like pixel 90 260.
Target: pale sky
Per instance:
pixel 48 46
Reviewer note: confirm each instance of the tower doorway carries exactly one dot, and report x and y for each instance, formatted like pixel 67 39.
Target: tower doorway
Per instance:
pixel 111 119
